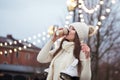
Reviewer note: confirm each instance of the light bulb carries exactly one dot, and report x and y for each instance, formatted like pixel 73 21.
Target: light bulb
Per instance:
pixel 6 44
pixel 34 37
pixel 39 35
pixel 15 42
pixel 24 47
pixel 1 52
pixel 29 45
pixel 10 51
pixel 15 50
pixel 99 23
pixel 20 48
pixel 20 41
pixel 29 38
pixel 108 10
pixel 102 17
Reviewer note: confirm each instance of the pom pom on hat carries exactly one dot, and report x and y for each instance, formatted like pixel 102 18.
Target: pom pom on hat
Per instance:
pixel 82 29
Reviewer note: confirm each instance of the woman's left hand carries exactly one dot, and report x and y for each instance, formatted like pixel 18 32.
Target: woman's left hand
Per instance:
pixel 85 49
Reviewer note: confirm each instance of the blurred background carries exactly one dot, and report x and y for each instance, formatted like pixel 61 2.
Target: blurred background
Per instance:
pixel 26 25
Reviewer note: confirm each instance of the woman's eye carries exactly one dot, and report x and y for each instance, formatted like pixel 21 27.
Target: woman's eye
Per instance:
pixel 72 28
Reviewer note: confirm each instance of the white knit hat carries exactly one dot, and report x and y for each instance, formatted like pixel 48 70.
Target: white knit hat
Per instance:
pixel 82 29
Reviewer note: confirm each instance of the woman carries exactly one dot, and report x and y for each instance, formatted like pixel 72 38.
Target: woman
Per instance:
pixel 69 52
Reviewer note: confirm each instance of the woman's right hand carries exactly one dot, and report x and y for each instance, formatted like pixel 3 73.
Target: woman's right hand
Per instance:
pixel 55 37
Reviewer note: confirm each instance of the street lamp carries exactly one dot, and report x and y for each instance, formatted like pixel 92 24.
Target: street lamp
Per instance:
pixel 52 29
pixel 71 4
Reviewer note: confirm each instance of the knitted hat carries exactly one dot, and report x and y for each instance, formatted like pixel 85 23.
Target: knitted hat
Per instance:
pixel 82 29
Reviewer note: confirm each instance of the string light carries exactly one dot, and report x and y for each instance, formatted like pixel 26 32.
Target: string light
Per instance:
pixel 80 11
pixel 10 51
pixel 102 17
pixel 90 11
pixel 15 50
pixel 24 40
pixel 82 20
pixel 25 47
pixel 15 42
pixel 20 41
pixel 97 27
pixel 38 41
pixel 29 38
pixel 43 38
pixel 29 45
pixel 5 52
pixel 108 10
pixel 20 48
pixel 79 6
pixel 81 15
pixel 82 6
pixel 113 1
pixel 34 43
pixel 1 52
pixel 66 22
pixel 1 44
pixel 99 23
pixel 10 43
pixel 68 17
pixel 39 35
pixel 44 33
pixel 48 36
pixel 34 37
pixel 101 2
pixel 5 43
pixel 66 26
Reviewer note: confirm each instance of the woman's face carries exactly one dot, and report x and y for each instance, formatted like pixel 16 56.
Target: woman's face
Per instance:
pixel 71 34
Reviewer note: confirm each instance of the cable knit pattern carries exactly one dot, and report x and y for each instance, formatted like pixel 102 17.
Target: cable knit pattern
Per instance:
pixel 82 29
pixel 62 60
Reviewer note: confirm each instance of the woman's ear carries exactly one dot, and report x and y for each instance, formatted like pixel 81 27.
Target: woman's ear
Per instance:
pixel 92 30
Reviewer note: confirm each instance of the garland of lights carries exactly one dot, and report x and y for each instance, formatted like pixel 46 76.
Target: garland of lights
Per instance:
pixel 90 11
pixel 81 7
pixel 24 40
pixel 67 22
pixel 30 38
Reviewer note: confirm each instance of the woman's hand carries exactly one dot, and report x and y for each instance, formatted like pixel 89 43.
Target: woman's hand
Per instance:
pixel 86 50
pixel 55 37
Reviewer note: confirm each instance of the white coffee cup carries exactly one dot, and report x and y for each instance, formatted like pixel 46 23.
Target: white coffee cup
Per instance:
pixel 61 32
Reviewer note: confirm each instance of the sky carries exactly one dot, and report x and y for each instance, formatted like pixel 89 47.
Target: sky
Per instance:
pixel 25 18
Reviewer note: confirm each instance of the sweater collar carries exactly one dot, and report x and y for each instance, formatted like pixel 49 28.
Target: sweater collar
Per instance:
pixel 67 45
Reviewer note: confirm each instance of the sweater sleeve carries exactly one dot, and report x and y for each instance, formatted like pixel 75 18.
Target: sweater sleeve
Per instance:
pixel 86 67
pixel 46 55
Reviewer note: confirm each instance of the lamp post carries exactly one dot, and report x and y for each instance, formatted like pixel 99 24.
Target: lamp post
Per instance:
pixel 71 6
pixel 52 29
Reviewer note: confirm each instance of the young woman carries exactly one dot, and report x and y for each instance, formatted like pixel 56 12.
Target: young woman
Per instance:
pixel 69 55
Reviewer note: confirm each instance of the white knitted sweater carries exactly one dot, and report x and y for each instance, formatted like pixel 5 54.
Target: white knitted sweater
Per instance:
pixel 62 60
